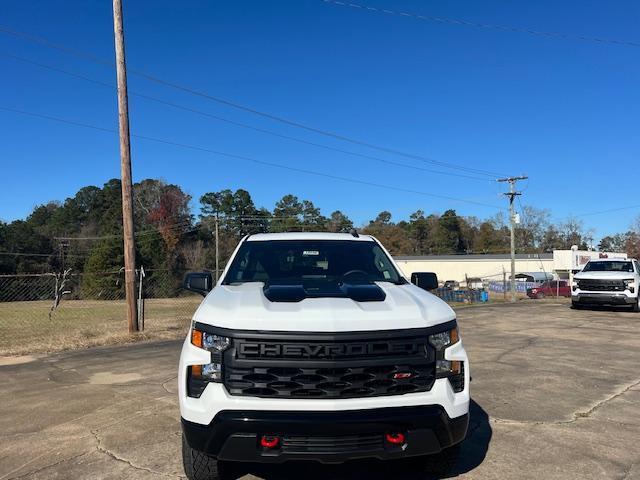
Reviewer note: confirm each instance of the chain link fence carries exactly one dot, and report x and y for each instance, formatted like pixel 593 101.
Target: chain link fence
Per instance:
pixel 46 312
pixel 42 312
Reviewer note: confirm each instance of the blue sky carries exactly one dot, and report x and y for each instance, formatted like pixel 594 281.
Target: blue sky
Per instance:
pixel 561 110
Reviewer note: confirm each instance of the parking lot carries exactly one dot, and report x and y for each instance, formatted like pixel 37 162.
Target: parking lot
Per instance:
pixel 556 394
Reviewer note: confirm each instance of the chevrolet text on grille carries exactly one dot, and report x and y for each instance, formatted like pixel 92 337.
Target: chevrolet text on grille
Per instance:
pixel 330 350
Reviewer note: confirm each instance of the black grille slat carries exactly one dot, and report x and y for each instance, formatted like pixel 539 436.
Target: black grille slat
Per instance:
pixel 329 440
pixel 330 369
pixel 299 444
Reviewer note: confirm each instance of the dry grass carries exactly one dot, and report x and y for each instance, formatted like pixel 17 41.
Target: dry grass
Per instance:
pixel 25 327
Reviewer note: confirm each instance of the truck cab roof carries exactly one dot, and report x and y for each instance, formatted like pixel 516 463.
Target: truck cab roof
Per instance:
pixel 264 237
pixel 611 259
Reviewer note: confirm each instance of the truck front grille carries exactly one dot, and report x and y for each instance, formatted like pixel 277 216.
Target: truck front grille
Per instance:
pixel 595 285
pixel 329 369
pixel 328 382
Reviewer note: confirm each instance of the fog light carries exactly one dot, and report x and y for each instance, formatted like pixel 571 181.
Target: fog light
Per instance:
pixel 212 371
pixel 445 368
pixel 269 441
pixel 395 438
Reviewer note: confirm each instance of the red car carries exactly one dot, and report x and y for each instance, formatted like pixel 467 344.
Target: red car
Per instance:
pixel 552 288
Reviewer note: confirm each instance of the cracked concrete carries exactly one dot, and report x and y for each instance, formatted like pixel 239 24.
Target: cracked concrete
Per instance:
pixel 556 395
pixel 111 454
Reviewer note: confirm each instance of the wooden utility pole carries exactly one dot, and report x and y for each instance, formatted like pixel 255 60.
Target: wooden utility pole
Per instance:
pixel 125 171
pixel 512 194
pixel 217 248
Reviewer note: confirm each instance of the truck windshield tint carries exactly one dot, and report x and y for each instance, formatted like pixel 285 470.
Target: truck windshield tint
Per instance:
pixel 603 266
pixel 314 264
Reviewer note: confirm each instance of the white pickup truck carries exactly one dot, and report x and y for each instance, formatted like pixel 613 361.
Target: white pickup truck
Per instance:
pixel 315 347
pixel 611 281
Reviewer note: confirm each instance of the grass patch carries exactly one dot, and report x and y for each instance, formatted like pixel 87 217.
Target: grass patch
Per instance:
pixel 25 327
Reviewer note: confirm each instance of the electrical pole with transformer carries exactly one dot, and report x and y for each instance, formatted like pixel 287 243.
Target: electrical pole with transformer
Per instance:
pixel 125 171
pixel 217 249
pixel 512 194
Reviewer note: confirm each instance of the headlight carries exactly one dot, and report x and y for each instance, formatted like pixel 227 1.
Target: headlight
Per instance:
pixel 442 340
pixel 198 376
pixel 209 341
pixel 451 369
pixel 630 284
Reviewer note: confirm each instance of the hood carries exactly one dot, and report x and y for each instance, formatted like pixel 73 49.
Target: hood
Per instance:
pixel 245 307
pixel 603 275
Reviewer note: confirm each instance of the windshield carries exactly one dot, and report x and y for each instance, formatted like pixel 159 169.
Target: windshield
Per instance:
pixel 311 263
pixel 608 266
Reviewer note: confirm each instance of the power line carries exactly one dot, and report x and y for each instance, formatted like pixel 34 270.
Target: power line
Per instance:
pixel 170 228
pixel 233 122
pixel 505 28
pixel 69 255
pixel 229 103
pixel 598 212
pixel 630 207
pixel 249 159
pixel 22 254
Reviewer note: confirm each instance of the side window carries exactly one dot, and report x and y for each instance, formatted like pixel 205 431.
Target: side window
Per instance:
pixel 637 265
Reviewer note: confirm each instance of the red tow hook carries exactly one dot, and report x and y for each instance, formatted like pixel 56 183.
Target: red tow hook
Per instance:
pixel 269 441
pixel 395 438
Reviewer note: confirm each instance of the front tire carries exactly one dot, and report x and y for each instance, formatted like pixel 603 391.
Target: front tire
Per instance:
pixel 199 466
pixel 540 296
pixel 636 306
pixel 576 305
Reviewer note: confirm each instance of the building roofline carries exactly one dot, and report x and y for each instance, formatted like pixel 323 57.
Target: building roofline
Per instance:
pixel 475 257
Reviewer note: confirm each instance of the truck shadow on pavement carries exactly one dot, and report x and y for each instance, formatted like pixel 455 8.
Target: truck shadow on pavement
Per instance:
pixel 607 308
pixel 473 452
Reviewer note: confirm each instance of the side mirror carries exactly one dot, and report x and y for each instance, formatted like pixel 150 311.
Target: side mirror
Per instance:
pixel 199 282
pixel 425 280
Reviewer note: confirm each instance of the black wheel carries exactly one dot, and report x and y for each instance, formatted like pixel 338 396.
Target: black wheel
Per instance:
pixel 540 295
pixel 575 305
pixel 441 464
pixel 636 306
pixel 199 466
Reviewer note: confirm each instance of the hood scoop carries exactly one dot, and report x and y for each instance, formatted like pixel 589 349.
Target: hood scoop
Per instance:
pixel 297 293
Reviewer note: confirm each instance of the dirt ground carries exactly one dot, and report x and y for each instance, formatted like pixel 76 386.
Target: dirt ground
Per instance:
pixel 556 394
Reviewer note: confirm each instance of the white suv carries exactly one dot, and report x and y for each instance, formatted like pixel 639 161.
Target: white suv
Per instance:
pixel 610 281
pixel 314 346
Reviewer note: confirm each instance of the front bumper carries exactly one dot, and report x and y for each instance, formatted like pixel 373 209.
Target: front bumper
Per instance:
pixel 588 298
pixel 327 437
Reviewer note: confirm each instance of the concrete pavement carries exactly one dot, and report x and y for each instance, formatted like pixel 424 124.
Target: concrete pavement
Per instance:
pixel 556 395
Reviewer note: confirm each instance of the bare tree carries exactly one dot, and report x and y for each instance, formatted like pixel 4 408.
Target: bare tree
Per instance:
pixel 194 255
pixel 533 224
pixel 61 280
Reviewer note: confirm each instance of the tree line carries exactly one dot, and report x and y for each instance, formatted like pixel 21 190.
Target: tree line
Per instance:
pixel 84 232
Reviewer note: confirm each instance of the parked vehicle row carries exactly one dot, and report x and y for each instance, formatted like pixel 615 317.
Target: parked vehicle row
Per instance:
pixel 553 288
